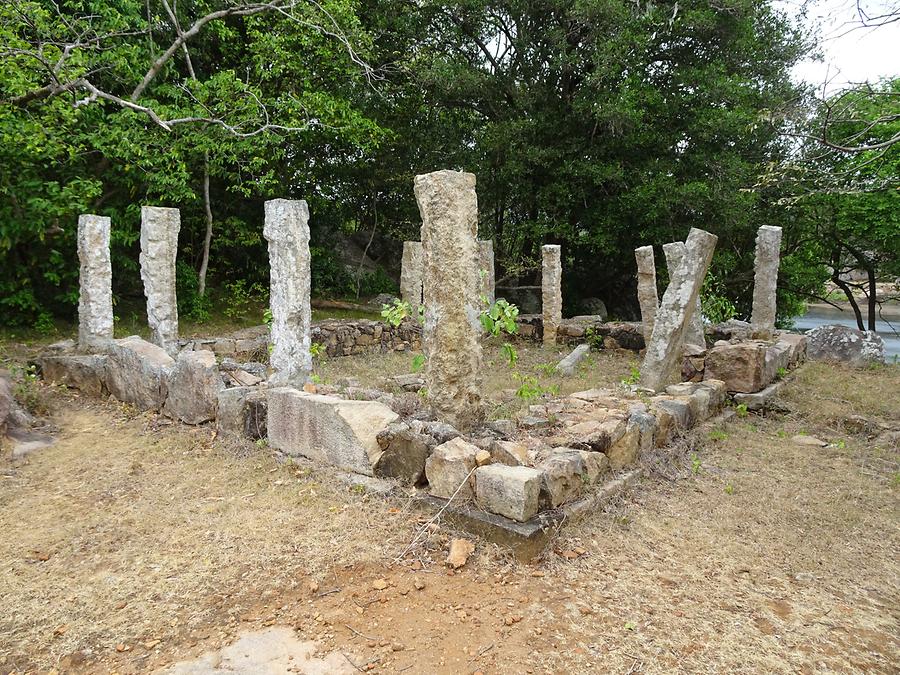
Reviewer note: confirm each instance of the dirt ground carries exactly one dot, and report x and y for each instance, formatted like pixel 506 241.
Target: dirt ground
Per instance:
pixel 132 543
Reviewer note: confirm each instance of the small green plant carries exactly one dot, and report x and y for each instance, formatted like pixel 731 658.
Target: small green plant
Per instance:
pixel 729 489
pixel 634 377
pixel 741 410
pixel 317 349
pixel 395 313
pixel 509 353
pixel 547 369
pixel 500 317
pixel 717 435
pixel 418 362
pixel 841 444
pixel 315 378
pixel 239 297
pixel 267 317
pixel 781 373
pixel 696 464
pixel 630 625
pixel 44 324
pixel 27 390
pixel 781 433
pixel 528 387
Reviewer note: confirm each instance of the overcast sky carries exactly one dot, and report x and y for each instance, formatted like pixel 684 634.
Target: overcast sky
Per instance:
pixel 851 53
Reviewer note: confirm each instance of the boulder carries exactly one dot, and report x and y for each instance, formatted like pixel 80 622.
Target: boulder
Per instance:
pixel 510 491
pixel 242 411
pixel 449 469
pixel 327 429
pixel 844 344
pixel 441 432
pixel 742 366
pixel 562 479
pixel 87 374
pixel 137 372
pixel 567 366
pixel 505 428
pixel 193 388
pixel 403 455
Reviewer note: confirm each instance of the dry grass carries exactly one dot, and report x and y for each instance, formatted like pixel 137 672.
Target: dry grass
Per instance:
pixel 166 525
pixel 771 557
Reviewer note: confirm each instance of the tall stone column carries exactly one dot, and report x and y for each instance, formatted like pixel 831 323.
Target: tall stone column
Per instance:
pixel 411 275
pixel 646 289
pixel 765 281
pixel 693 332
pixel 159 249
pixel 286 229
pixel 95 311
pixel 551 291
pixel 486 268
pixel 663 354
pixel 452 332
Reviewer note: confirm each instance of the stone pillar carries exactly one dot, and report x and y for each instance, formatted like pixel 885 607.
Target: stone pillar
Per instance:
pixel 646 289
pixel 411 275
pixel 693 330
pixel 663 356
pixel 551 291
pixel 486 268
pixel 286 229
pixel 452 332
pixel 765 281
pixel 95 311
pixel 159 249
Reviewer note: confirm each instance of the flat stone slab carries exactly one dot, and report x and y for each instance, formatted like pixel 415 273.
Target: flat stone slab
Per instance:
pixel 327 429
pixel 87 374
pixel 272 651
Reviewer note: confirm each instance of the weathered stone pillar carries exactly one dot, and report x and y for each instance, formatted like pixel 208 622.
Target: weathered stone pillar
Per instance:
pixel 95 312
pixel 663 354
pixel 551 291
pixel 486 268
pixel 693 330
pixel 646 289
pixel 411 275
pixel 286 229
pixel 452 332
pixel 159 249
pixel 765 281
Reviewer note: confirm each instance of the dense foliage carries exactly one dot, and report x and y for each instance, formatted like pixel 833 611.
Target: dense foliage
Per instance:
pixel 601 125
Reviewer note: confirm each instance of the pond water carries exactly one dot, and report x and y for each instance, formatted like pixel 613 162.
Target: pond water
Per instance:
pixel 823 316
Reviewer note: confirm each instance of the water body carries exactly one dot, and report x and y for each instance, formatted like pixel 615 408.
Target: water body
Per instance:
pixel 824 316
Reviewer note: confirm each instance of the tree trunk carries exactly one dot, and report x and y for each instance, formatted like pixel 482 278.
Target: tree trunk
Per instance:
pixel 204 263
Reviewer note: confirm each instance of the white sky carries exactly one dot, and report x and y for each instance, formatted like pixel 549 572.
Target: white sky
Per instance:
pixel 851 53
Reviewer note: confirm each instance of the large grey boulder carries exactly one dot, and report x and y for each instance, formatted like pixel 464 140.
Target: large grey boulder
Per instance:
pixel 510 491
pixel 87 374
pixel 327 429
pixel 193 389
pixel 844 344
pixel 137 372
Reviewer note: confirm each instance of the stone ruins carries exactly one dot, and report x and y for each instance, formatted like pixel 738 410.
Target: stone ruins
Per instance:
pixel 551 291
pixel 95 310
pixel 765 281
pixel 159 248
pixel 452 332
pixel 513 479
pixel 287 231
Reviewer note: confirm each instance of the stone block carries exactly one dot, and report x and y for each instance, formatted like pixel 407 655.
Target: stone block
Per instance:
pixel 595 465
pixel 87 374
pixel 596 435
pixel 778 359
pixel 567 366
pixel 510 453
pixel 242 412
pixel 327 429
pixel 403 455
pixel 510 491
pixel 562 477
pixel 741 366
pixel 645 423
pixel 717 393
pixel 624 452
pixel 797 343
pixel 193 388
pixel 137 372
pixel 449 469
